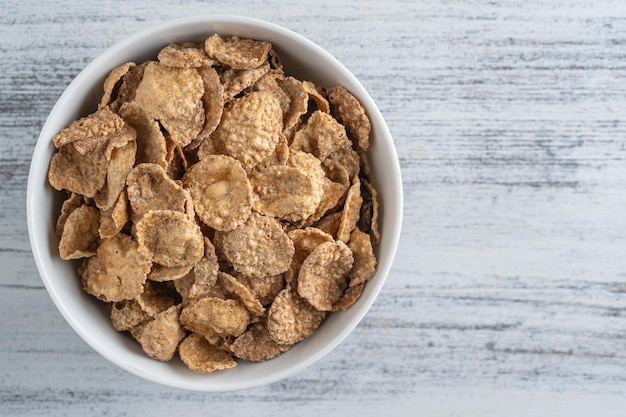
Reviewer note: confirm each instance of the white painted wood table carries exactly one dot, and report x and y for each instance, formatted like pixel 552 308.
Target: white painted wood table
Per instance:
pixel 508 294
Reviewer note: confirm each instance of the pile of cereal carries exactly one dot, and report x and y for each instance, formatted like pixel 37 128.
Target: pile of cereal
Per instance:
pixel 221 207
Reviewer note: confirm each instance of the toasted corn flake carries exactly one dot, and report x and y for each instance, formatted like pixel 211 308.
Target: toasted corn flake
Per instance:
pixel 69 205
pixel 350 297
pixel 160 273
pixel 321 136
pixel 236 52
pixel 330 223
pixel 323 277
pixel 117 272
pixel 201 356
pixel 169 238
pixel 241 292
pixel 173 96
pixel 113 219
pixel 291 318
pixel 351 211
pixel 352 114
pixel 235 81
pixel 215 316
pixel 285 193
pixel 98 125
pixel 220 190
pixel 80 234
pixel 317 95
pixel 213 102
pixel 151 145
pixel 160 337
pixel 250 128
pixel 127 314
pixel 364 258
pixel 258 248
pixel 265 289
pixel 149 188
pixel 305 241
pixel 184 55
pixel 112 80
pixel 122 161
pixel 256 344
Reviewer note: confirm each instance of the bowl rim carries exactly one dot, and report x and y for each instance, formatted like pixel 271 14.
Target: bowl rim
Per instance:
pixel 43 141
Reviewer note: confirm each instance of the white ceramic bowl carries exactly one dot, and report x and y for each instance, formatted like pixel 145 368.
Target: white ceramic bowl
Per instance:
pixel 90 317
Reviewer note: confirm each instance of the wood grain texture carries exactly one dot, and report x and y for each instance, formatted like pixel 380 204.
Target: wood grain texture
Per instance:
pixel 508 294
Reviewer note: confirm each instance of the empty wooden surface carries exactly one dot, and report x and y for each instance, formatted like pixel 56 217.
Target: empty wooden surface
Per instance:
pixel 508 293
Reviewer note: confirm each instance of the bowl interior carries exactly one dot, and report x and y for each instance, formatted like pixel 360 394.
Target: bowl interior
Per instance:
pixel 89 317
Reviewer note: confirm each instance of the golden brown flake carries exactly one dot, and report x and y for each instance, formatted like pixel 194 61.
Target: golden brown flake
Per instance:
pixel 97 126
pixel 220 190
pixel 112 80
pixel 333 194
pixel 170 238
pixel 258 248
pixel 250 128
pixel 364 258
pixel 352 114
pixel 349 297
pixel 160 337
pixel 118 270
pixel 201 280
pixel 151 145
pixel 321 136
pixel 149 188
pixel 201 356
pixel 323 277
pixel 122 161
pixel 291 318
pixel 79 172
pixel 215 316
pixel 256 345
pixel 236 52
pixel 205 271
pixel 317 96
pixel 346 158
pixel 268 83
pixel 184 55
pixel 127 314
pixel 80 234
pixel 278 158
pixel 128 86
pixel 235 81
pixel 69 205
pixel 330 223
pixel 213 101
pixel 285 193
pixel 351 211
pixel 305 241
pixel 234 288
pixel 113 219
pixel 298 101
pixel 160 273
pixel 173 96
pixel 265 289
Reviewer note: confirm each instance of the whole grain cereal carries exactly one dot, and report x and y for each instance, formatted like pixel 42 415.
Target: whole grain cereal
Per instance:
pixel 220 206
